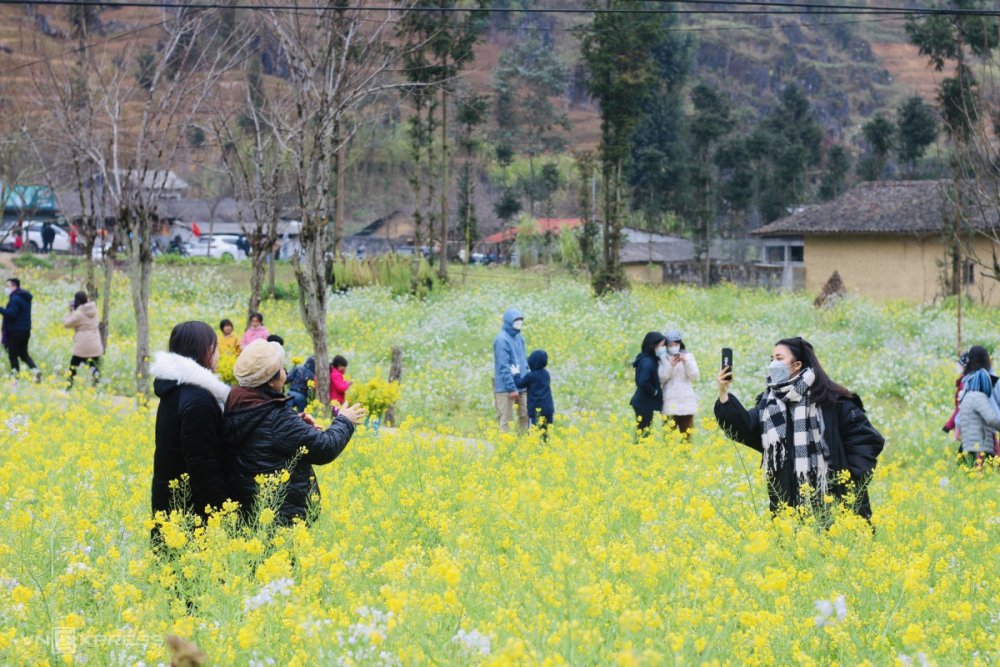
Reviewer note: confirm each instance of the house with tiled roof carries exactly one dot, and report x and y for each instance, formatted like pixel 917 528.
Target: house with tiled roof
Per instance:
pixel 894 240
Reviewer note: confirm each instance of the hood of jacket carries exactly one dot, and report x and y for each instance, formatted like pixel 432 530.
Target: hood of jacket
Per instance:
pixel 643 355
pixel 88 310
pixel 172 370
pixel 538 360
pixel 22 293
pixel 508 321
pixel 247 408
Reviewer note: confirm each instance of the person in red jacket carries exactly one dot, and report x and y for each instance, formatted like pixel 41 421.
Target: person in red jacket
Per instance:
pixel 338 385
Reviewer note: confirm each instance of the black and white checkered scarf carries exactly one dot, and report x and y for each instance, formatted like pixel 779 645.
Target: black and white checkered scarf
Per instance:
pixel 811 452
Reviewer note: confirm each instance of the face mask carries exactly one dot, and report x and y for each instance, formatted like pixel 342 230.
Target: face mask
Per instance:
pixel 8 290
pixel 517 325
pixel 674 350
pixel 778 372
pixel 661 352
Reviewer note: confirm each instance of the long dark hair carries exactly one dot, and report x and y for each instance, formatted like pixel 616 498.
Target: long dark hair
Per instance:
pixel 824 390
pixel 649 343
pixel 79 299
pixel 194 340
pixel 979 359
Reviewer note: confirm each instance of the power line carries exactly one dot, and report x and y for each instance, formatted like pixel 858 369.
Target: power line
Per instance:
pixel 752 7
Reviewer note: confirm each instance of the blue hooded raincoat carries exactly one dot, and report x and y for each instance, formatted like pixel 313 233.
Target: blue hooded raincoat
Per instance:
pixel 508 348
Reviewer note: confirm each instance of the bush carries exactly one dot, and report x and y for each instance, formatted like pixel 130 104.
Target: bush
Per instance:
pixel 390 270
pixel 30 261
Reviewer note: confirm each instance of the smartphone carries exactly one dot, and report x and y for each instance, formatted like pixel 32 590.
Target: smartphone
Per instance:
pixel 727 359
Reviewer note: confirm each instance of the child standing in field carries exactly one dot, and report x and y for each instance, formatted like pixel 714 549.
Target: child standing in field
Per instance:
pixel 541 408
pixel 256 331
pixel 228 343
pixel 338 385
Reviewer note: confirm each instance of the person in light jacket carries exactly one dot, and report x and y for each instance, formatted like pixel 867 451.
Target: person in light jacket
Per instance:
pixel 978 418
pixel 678 370
pixel 509 350
pixel 87 347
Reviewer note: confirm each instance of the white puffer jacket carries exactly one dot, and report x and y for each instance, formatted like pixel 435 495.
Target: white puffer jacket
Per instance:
pixel 677 380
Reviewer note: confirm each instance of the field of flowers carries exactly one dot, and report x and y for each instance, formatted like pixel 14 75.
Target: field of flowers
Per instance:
pixel 444 542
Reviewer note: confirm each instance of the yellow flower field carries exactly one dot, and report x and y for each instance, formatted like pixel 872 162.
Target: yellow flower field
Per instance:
pixel 443 542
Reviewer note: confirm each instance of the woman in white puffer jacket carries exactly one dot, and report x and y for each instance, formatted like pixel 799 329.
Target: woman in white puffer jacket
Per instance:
pixel 678 371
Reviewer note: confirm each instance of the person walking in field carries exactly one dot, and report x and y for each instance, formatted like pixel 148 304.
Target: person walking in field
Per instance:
pixel 265 437
pixel 509 350
pixel 813 435
pixel 648 397
pixel 16 328
pixel 48 237
pixel 256 331
pixel 678 371
pixel 87 347
pixel 978 418
pixel 189 442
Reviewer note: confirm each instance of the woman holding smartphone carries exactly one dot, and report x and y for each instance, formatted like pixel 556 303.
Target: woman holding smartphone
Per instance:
pixel 678 371
pixel 808 429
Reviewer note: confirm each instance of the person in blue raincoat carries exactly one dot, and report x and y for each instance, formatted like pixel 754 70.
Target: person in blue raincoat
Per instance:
pixel 509 350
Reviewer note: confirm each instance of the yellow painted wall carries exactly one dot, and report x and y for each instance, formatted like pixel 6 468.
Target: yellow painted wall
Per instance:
pixel 644 273
pixel 889 267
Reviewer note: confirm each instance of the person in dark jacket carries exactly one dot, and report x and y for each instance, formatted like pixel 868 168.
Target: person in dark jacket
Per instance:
pixel 266 437
pixel 812 433
pixel 48 237
pixel 541 408
pixel 648 397
pixel 298 383
pixel 189 421
pixel 16 327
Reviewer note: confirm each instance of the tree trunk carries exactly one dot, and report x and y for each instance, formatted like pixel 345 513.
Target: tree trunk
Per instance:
pixel 395 375
pixel 311 277
pixel 141 271
pixel 443 265
pixel 109 272
pixel 270 272
pixel 339 165
pixel 257 267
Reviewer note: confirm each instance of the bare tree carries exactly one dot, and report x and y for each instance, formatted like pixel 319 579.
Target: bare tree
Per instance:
pixel 257 167
pixel 130 129
pixel 337 56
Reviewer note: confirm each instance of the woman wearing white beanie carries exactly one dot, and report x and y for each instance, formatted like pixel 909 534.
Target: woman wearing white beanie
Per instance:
pixel 266 435
pixel 678 371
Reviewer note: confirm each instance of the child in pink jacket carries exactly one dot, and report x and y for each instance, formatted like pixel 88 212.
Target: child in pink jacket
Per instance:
pixel 256 331
pixel 338 385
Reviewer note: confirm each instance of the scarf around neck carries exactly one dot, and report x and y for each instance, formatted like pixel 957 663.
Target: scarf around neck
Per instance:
pixel 809 450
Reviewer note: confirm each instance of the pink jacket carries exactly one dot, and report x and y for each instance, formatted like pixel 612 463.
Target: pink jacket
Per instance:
pixel 338 386
pixel 260 333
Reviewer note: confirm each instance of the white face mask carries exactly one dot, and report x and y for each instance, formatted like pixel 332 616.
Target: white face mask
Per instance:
pixel 661 352
pixel 674 350
pixel 778 372
pixel 8 290
pixel 517 325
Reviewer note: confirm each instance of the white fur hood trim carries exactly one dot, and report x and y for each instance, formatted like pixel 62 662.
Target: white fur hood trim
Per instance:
pixel 182 370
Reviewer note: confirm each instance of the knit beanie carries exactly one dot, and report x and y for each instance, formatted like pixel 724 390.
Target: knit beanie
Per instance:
pixel 258 363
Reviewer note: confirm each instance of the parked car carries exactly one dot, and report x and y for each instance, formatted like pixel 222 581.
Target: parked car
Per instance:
pixel 220 246
pixel 31 233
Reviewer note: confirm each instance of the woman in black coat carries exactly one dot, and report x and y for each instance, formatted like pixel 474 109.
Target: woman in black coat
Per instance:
pixel 266 436
pixel 189 422
pixel 648 397
pixel 808 429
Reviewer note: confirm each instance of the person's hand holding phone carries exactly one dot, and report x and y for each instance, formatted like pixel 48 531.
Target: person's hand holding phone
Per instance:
pixel 725 376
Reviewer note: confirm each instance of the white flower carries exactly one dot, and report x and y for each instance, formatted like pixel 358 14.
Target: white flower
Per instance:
pixel 944 482
pixel 904 660
pixel 268 593
pixel 473 641
pixel 841 606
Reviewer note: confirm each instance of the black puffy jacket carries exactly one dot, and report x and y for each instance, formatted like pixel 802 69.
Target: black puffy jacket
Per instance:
pixel 188 440
pixel 648 396
pixel 853 442
pixel 264 435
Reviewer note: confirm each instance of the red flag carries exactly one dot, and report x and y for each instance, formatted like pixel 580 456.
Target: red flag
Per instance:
pixel 195 229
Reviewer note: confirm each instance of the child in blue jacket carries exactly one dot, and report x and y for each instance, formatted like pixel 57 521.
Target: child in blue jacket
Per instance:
pixel 541 409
